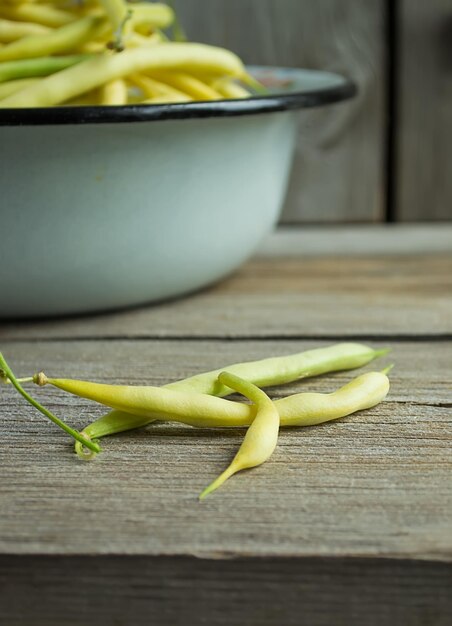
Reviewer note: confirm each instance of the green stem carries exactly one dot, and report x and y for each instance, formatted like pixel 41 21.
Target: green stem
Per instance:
pixel 4 379
pixel 382 352
pixel 7 372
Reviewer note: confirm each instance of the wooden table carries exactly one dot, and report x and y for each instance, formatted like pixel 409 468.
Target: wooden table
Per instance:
pixel 350 522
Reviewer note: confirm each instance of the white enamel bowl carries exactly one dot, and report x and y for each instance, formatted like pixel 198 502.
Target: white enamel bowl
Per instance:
pixel 107 207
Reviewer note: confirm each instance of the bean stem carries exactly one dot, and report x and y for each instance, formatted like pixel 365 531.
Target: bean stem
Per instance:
pixel 8 373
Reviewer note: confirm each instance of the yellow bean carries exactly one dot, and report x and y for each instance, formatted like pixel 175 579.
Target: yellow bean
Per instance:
pixel 229 89
pixel 158 91
pixel 117 11
pixel 90 98
pixel 97 71
pixel 281 370
pixel 113 93
pixel 40 14
pixel 204 411
pixel 11 30
pixel 168 99
pixel 136 40
pixel 58 41
pixel 10 87
pixel 155 15
pixel 261 437
pixel 190 85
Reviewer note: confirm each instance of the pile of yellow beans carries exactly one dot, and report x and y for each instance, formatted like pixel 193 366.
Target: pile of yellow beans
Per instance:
pixel 107 52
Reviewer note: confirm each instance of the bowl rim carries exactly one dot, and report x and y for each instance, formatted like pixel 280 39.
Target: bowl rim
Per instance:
pixel 319 88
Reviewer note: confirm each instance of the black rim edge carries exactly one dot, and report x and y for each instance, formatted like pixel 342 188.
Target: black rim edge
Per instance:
pixel 54 116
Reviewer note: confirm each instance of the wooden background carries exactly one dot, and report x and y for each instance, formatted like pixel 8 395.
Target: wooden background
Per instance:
pixel 384 156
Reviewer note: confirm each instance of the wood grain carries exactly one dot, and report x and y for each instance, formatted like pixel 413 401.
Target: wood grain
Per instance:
pixel 122 591
pixel 424 121
pixel 338 169
pixel 376 484
pixel 358 296
pixel 348 523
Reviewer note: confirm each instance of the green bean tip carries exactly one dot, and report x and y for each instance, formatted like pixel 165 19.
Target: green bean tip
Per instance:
pixel 382 352
pixel 208 490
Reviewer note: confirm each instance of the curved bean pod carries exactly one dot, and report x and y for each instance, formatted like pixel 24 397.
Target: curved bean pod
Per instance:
pixel 200 410
pixel 12 86
pixel 117 12
pixel 37 13
pixel 11 30
pixel 229 89
pixel 114 93
pixel 155 15
pixel 58 41
pixel 153 89
pixel 190 85
pixel 284 369
pixel 261 437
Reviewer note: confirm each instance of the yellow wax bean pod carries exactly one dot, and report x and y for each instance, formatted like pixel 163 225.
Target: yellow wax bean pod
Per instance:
pixel 194 409
pixel 10 87
pixel 116 11
pixel 91 98
pixel 157 90
pixel 281 370
pixel 309 409
pixel 136 40
pixel 93 47
pixel 38 13
pixel 261 437
pixel 155 15
pixel 229 89
pixel 58 41
pixel 190 85
pixel 113 93
pixel 167 99
pixel 106 67
pixel 11 30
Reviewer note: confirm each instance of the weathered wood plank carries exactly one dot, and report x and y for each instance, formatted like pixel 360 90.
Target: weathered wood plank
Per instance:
pixel 424 121
pixel 51 591
pixel 287 297
pixel 338 169
pixel 372 485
